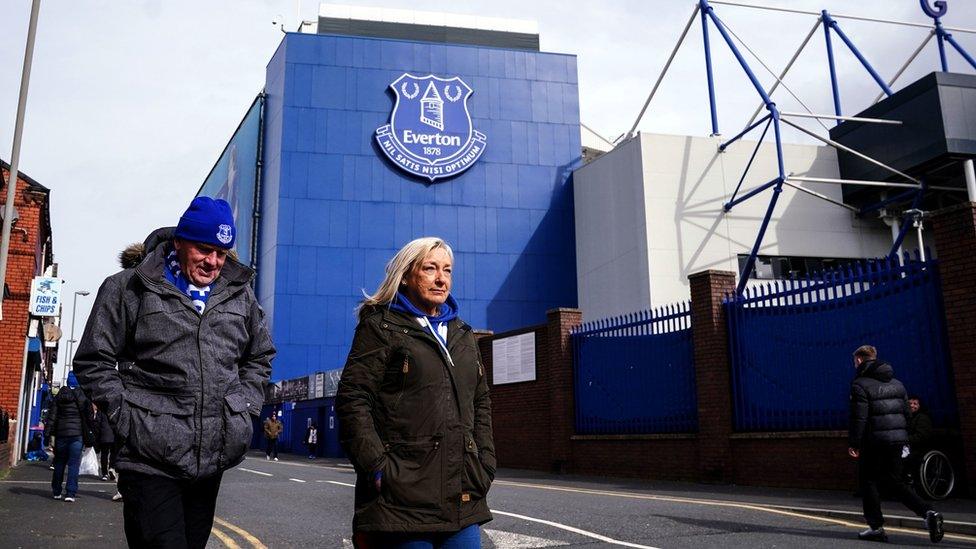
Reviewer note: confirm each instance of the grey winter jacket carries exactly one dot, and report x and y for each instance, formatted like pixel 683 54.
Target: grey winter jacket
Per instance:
pixel 187 384
pixel 879 407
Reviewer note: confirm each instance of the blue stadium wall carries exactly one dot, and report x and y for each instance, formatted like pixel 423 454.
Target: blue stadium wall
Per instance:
pixel 334 209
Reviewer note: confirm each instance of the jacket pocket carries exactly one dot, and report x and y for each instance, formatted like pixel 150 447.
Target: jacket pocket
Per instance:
pixel 159 428
pixel 413 475
pixel 477 478
pixel 237 429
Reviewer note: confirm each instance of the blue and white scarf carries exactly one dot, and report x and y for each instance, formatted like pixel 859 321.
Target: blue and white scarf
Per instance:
pixel 436 324
pixel 175 275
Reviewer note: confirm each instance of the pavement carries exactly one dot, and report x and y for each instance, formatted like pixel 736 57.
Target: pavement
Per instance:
pixel 301 502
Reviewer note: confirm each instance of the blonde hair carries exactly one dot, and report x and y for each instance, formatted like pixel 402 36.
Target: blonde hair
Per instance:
pixel 405 260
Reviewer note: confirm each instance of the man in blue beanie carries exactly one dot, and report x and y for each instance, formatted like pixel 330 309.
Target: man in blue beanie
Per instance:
pixel 193 356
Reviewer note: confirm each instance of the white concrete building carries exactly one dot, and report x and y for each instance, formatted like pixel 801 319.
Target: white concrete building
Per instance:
pixel 650 212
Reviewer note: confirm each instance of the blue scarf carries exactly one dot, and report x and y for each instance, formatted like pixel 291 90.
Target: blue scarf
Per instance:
pixel 175 275
pixel 448 312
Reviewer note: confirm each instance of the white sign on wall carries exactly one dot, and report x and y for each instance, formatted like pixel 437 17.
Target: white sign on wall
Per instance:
pixel 513 359
pixel 45 296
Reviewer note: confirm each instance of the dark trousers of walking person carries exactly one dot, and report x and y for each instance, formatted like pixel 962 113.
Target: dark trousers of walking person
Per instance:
pixel 882 465
pixel 161 512
pixel 106 457
pixel 272 448
pixel 67 453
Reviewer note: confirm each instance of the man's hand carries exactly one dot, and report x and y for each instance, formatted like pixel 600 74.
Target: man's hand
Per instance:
pixel 854 453
pixel 378 480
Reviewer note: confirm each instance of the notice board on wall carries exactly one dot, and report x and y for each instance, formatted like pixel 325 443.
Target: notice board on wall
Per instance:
pixel 513 359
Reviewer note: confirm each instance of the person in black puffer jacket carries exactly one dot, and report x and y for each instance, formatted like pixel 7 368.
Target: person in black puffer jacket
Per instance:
pixel 879 417
pixel 65 422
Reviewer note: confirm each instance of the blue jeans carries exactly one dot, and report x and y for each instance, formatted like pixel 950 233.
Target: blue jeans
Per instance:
pixel 467 538
pixel 67 451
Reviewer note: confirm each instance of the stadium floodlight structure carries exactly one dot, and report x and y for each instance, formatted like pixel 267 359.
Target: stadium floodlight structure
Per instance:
pixel 775 118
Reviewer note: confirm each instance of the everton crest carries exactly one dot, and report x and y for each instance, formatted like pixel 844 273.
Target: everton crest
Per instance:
pixel 430 133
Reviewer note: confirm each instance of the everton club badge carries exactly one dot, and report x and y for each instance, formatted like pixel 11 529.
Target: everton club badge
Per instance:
pixel 430 133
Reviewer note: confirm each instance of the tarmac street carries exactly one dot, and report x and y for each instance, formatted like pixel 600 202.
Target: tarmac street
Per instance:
pixel 302 503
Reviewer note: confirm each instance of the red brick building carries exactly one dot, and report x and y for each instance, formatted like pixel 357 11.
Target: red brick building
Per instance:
pixel 31 253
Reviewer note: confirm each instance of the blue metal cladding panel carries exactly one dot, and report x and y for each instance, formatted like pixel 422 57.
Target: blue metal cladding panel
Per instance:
pixel 336 210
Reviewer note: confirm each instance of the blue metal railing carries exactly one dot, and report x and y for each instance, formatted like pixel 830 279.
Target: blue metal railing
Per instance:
pixel 791 342
pixel 635 374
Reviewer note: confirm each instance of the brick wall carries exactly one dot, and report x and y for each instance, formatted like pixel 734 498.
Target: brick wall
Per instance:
pixel 521 411
pixel 954 231
pixel 22 265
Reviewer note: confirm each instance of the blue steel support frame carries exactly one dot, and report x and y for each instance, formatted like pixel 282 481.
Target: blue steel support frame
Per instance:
pixel 940 38
pixel 740 135
pixel 830 63
pixel 777 183
pixel 708 71
pixel 732 201
pixel 906 223
pixel 831 23
pixel 959 49
pixel 878 205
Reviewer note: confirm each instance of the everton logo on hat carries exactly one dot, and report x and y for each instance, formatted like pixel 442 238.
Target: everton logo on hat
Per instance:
pixel 430 133
pixel 225 234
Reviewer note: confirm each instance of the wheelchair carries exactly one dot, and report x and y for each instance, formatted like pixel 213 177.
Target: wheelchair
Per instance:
pixel 933 475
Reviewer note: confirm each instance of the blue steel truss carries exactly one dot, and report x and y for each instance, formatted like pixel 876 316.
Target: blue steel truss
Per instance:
pixel 773 118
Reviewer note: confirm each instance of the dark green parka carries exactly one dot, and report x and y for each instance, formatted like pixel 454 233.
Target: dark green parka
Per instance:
pixel 406 411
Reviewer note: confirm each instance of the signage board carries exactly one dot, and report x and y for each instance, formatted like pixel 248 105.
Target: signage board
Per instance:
pixel 45 296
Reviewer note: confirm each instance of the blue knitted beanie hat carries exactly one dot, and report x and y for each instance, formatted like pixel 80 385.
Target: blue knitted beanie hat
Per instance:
pixel 208 221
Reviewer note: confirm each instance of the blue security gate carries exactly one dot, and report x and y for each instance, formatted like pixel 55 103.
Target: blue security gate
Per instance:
pixel 791 343
pixel 635 374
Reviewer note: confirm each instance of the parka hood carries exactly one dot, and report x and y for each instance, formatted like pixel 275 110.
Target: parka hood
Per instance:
pixel 876 369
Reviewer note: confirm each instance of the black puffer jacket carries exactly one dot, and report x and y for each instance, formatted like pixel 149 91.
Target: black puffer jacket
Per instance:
pixel 64 416
pixel 187 383
pixel 426 424
pixel 879 407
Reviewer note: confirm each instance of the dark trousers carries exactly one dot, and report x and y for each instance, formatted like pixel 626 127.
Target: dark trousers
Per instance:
pixel 106 457
pixel 272 447
pixel 165 513
pixel 882 465
pixel 67 453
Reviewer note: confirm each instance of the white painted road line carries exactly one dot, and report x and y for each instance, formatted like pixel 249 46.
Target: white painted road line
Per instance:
pixel 255 472
pixel 574 530
pixel 296 480
pixel 511 540
pixel 338 483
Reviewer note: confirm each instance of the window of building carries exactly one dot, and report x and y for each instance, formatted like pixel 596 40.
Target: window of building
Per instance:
pixel 771 267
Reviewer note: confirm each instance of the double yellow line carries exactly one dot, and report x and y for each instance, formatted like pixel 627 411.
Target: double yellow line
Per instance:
pixel 228 540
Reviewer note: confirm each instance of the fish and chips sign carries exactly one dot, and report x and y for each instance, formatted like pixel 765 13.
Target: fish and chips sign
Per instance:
pixel 430 134
pixel 45 296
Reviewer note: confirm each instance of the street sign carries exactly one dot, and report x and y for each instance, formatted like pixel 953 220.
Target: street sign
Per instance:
pixel 45 296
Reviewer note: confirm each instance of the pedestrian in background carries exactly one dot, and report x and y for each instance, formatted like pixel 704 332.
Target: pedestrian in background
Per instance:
pixel 194 356
pixel 414 413
pixel 105 444
pixel 877 438
pixel 272 429
pixel 67 420
pixel 311 439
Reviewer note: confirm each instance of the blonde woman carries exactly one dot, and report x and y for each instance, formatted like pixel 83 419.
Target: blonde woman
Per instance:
pixel 414 413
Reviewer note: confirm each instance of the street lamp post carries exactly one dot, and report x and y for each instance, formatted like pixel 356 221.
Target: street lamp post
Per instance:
pixel 69 360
